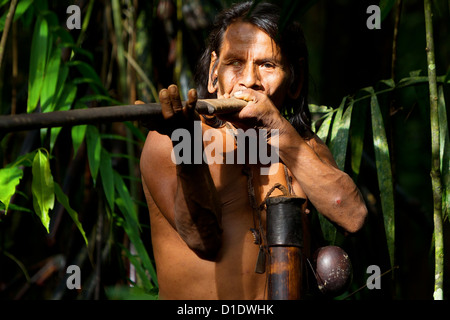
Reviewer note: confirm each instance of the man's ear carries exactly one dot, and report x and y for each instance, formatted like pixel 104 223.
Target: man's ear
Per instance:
pixel 213 74
pixel 297 84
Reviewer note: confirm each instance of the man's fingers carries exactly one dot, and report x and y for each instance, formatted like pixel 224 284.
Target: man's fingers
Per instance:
pixel 166 105
pixel 175 99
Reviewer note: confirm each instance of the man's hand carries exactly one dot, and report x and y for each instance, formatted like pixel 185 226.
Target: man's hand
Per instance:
pixel 175 114
pixel 173 111
pixel 259 113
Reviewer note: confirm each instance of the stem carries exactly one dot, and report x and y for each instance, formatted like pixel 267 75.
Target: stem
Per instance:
pixel 395 38
pixel 435 160
pixel 8 22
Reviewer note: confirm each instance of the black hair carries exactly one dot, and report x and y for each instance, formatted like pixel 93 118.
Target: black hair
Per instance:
pixel 290 39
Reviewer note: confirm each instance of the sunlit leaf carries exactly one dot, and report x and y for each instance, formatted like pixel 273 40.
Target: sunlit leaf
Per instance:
pixel 78 132
pixel 324 128
pixel 64 200
pixel 50 79
pixel 94 148
pixel 38 59
pixel 42 188
pixel 9 179
pixel 384 174
pixel 22 7
pixel 340 133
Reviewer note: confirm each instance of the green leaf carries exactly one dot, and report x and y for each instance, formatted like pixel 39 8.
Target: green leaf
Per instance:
pixel 444 152
pixel 340 133
pixel 357 129
pixel 328 230
pixel 107 175
pixel 131 227
pixel 324 128
pixel 143 277
pixel 383 165
pixel 78 134
pixel 94 148
pixel 64 200
pixel 38 59
pixel 23 160
pixel 386 7
pixel 135 131
pixel 131 223
pixel 9 179
pixel 61 90
pixel 22 7
pixel 88 72
pixel 42 188
pixel 125 197
pixel 50 80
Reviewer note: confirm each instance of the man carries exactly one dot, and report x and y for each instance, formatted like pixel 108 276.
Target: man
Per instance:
pixel 202 213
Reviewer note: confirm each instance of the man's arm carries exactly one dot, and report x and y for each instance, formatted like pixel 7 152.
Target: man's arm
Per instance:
pixel 184 193
pixel 330 190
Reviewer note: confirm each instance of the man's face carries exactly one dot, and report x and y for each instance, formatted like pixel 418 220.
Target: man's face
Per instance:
pixel 249 59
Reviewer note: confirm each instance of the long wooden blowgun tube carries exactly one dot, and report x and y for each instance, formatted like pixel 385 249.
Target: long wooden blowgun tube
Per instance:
pixel 142 112
pixel 285 242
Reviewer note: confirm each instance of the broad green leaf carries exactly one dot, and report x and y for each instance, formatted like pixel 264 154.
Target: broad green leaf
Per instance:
pixel 78 134
pixel 340 132
pixel 383 165
pixel 62 89
pixel 324 129
pixel 94 148
pixel 341 140
pixel 9 179
pixel 107 175
pixel 66 97
pixel 42 188
pixel 314 108
pixel 49 86
pixel 64 200
pixel 38 60
pixel 22 7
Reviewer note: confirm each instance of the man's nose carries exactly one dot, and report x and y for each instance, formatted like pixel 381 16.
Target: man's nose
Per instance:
pixel 250 77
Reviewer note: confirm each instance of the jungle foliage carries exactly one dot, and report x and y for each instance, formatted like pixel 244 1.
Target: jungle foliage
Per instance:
pixel 72 195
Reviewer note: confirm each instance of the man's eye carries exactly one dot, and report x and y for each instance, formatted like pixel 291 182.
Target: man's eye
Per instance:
pixel 268 65
pixel 235 63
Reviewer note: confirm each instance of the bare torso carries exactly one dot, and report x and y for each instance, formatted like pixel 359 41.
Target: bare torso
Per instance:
pixel 181 273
